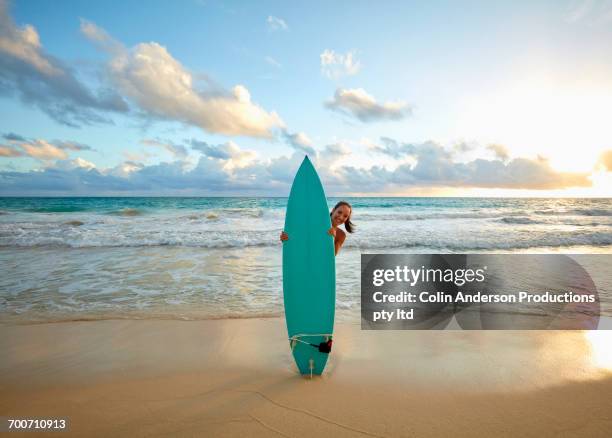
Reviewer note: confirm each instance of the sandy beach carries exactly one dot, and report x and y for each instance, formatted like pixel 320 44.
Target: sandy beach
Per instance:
pixel 186 185
pixel 237 378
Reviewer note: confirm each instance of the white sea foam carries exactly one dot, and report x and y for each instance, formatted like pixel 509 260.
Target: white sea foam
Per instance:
pixel 223 261
pixel 230 228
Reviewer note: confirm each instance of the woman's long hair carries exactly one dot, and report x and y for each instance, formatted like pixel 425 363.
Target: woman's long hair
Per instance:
pixel 350 227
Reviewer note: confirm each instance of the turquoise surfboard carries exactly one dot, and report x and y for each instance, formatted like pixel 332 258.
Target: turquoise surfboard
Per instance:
pixel 309 271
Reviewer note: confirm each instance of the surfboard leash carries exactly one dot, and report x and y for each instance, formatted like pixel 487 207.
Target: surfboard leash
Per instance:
pixel 323 347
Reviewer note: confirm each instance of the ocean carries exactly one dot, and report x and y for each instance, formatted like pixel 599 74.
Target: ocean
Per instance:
pixel 65 259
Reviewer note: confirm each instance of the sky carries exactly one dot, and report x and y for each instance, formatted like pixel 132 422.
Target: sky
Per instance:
pixel 203 98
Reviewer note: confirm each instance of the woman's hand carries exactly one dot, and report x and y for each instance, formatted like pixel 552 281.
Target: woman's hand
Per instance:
pixel 332 232
pixel 284 236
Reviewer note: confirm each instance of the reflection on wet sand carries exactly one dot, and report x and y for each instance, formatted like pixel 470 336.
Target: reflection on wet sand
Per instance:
pixel 600 343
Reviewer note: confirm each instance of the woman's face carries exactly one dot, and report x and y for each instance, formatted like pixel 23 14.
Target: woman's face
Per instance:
pixel 340 215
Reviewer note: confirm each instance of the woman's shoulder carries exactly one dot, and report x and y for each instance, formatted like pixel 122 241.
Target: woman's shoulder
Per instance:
pixel 340 232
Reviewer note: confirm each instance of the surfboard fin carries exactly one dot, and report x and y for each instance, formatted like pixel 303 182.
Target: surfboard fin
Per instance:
pixel 311 366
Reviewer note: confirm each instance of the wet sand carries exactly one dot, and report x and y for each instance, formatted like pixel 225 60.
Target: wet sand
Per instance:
pixel 237 378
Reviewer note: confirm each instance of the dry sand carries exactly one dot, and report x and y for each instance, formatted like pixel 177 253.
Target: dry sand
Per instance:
pixel 237 378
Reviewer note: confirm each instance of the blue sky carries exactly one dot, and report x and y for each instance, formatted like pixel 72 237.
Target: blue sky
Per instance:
pixel 388 98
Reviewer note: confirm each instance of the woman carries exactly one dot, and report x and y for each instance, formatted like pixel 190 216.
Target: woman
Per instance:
pixel 340 214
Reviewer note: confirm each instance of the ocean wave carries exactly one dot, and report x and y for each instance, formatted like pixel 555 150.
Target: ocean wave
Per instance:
pixel 593 212
pixel 393 216
pixel 519 220
pixel 504 215
pixel 550 240
pixel 369 241
pixel 56 209
pixel 74 223
pixel 59 243
pixel 208 216
pixel 222 213
pixel 552 220
pixel 77 237
pixel 127 212
pixel 575 212
pixel 243 212
pixel 27 318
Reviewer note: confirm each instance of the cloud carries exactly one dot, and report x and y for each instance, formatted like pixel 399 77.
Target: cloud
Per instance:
pixel 43 150
pixel 40 149
pixel 435 166
pixel 146 74
pixel 336 65
pixel 137 156
pixel 229 153
pixel 230 170
pixel 101 37
pixel 336 150
pixel 332 156
pixel 500 151
pixel 23 44
pixel 463 147
pixel 123 170
pixel 8 151
pixel 275 23
pixel 224 168
pixel 210 150
pixel 392 148
pixel 177 150
pixel 282 169
pixel 75 163
pixel 162 87
pixel 273 62
pixel 605 160
pixel 578 10
pixel 72 145
pixel 51 180
pixel 43 81
pixel 362 106
pixel 300 142
pixel 11 136
pixel 598 12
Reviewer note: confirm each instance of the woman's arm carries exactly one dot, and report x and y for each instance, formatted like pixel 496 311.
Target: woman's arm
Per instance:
pixel 339 240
